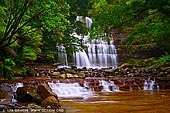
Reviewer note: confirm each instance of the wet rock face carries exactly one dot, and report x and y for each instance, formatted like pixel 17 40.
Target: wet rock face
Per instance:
pixel 45 92
pixel 28 94
pixel 50 99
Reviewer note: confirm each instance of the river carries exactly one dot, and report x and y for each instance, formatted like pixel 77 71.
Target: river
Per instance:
pixel 151 101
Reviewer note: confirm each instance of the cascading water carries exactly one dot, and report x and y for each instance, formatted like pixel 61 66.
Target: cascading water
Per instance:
pixel 74 89
pixel 69 90
pixel 98 54
pixel 82 89
pixel 150 85
pixel 11 88
pixel 62 56
pixel 108 86
pixel 102 54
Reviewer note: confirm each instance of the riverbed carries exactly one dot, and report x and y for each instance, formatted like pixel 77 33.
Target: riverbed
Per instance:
pixel 151 101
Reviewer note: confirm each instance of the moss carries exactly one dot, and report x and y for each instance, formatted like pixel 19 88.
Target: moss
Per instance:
pixel 136 62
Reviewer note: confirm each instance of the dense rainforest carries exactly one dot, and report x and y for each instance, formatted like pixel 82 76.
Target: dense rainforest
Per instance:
pixel 33 29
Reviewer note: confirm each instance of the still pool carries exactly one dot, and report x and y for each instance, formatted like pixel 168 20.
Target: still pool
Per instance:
pixel 154 101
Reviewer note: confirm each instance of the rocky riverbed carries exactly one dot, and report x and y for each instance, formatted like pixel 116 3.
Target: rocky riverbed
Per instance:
pixel 36 93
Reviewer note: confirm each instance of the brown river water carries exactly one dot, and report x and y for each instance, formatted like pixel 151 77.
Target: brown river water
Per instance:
pixel 152 101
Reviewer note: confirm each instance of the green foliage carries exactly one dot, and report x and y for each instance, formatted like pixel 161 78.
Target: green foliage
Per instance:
pixel 152 30
pixel 26 25
pixel 7 68
pixel 163 61
pixel 29 54
pixel 139 62
pixel 30 27
pixel 147 22
pixel 9 62
pixel 78 7
pixel 51 58
pixel 53 23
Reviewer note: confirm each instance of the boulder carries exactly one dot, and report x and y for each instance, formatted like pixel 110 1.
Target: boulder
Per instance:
pixel 51 102
pixel 3 94
pixel 75 76
pixel 70 71
pixel 63 75
pixel 45 91
pixel 109 72
pixel 81 75
pixel 28 94
pixel 68 75
pixel 73 67
pixel 56 73
pixel 126 65
pixel 31 72
pixel 34 106
pixel 5 101
pixel 5 97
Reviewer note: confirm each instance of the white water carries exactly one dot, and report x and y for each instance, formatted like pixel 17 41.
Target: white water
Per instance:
pixel 82 59
pixel 108 86
pixel 62 56
pixel 150 85
pixel 68 90
pixel 99 53
pixel 74 89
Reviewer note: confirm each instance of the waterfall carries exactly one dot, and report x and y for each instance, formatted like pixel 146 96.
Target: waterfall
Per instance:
pixel 102 54
pixel 82 59
pixel 98 54
pixel 88 22
pixel 108 86
pixel 105 85
pixel 150 85
pixel 62 55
